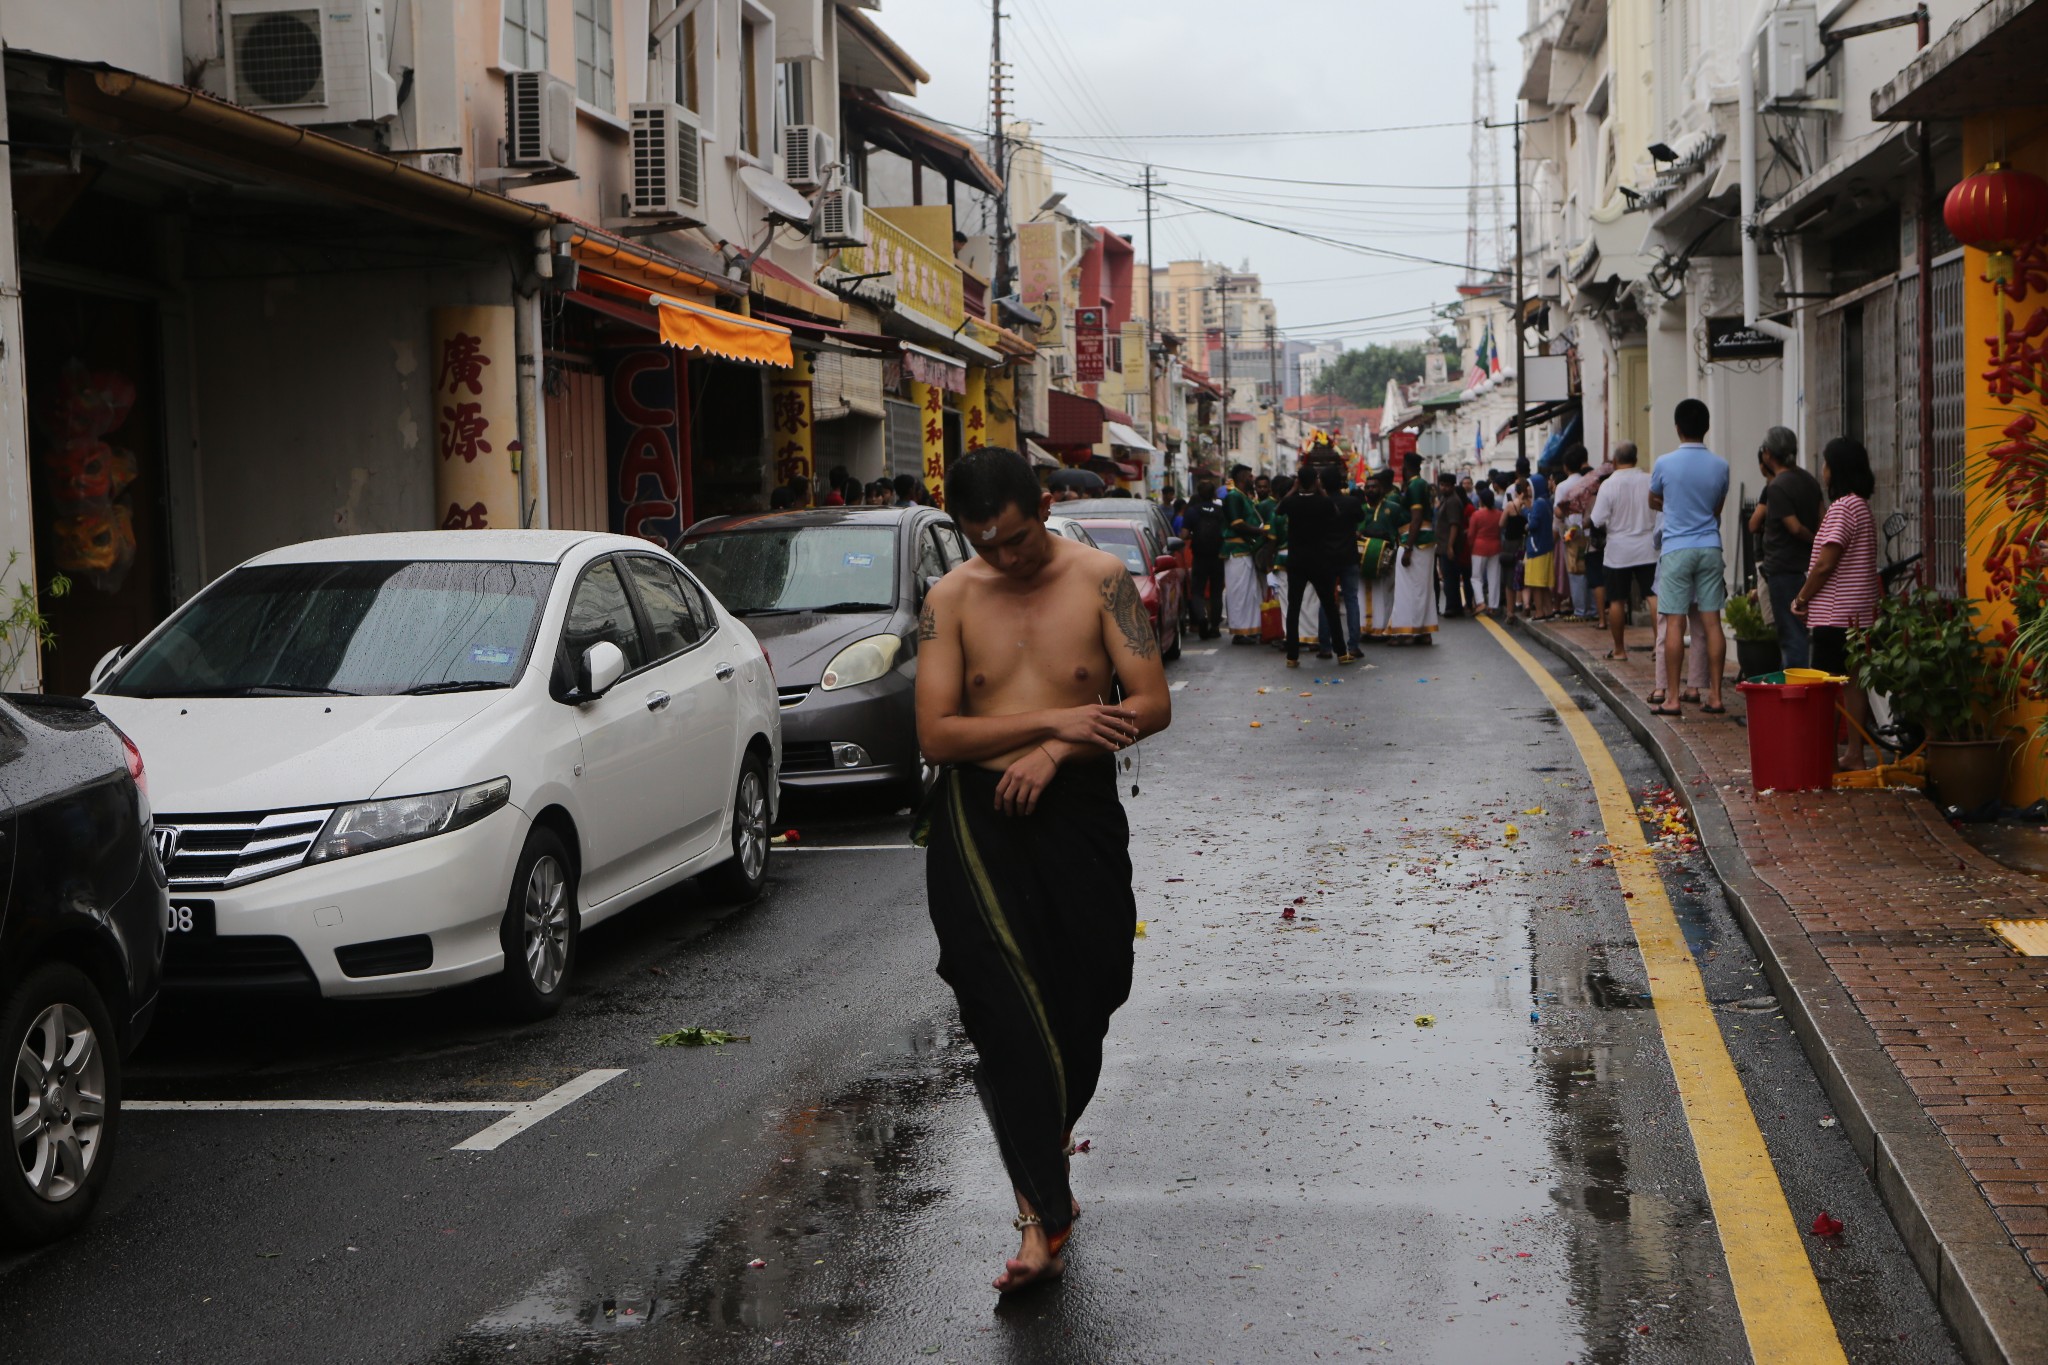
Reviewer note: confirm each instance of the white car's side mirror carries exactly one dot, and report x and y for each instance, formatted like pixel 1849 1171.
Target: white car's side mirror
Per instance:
pixel 105 666
pixel 604 663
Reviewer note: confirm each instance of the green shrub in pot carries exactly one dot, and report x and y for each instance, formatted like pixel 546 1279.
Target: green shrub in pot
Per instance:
pixel 1747 621
pixel 1923 652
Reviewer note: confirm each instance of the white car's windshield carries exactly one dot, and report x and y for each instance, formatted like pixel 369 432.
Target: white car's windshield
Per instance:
pixel 381 628
pixel 797 568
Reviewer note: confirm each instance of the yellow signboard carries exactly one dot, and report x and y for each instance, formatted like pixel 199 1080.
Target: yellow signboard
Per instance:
pixel 931 407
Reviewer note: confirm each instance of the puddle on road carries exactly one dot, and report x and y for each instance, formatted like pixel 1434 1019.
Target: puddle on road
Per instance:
pixel 851 1163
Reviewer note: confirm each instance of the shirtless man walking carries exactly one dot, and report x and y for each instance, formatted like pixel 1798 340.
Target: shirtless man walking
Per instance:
pixel 1036 664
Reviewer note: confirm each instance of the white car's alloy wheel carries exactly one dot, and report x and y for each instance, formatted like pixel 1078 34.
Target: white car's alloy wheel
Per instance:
pixel 547 924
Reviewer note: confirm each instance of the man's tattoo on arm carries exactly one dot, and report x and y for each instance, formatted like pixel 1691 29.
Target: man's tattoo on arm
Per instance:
pixel 928 623
pixel 1120 598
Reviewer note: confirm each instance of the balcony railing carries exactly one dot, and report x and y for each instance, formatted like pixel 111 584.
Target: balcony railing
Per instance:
pixel 924 279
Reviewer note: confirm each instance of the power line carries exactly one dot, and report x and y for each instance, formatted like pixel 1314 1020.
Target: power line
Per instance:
pixel 1278 133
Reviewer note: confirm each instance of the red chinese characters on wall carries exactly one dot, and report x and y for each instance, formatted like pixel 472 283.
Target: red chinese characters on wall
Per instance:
pixel 476 418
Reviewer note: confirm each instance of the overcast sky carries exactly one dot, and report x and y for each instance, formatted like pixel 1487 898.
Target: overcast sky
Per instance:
pixel 1111 78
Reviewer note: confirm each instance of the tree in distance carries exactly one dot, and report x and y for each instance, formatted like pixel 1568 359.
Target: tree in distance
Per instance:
pixel 1360 376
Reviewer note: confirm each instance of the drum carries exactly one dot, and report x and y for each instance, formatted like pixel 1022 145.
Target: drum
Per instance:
pixel 1378 560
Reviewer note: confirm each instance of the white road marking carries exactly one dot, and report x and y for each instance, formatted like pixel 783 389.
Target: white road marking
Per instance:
pixel 526 1115
pixel 519 1115
pixel 1175 687
pixel 1201 651
pixel 321 1106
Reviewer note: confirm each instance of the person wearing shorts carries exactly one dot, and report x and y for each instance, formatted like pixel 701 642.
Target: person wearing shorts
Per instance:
pixel 1690 487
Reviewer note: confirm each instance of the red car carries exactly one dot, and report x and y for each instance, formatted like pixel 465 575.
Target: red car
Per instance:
pixel 1161 578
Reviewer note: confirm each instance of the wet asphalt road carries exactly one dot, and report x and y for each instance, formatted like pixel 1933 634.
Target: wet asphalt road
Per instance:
pixel 1283 1164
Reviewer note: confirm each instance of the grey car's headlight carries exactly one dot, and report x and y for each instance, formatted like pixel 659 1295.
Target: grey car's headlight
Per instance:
pixel 862 661
pixel 371 825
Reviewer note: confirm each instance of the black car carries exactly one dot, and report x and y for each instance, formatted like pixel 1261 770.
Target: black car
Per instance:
pixel 833 593
pixel 83 906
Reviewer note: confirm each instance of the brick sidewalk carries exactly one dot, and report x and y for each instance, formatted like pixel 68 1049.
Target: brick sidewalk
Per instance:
pixel 1893 899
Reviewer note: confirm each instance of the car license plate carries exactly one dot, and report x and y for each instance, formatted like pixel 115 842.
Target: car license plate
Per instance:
pixel 187 920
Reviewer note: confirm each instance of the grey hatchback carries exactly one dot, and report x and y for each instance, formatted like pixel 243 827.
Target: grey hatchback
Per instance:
pixel 832 594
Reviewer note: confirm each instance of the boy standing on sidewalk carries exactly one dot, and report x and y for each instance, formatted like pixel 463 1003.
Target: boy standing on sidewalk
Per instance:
pixel 1689 486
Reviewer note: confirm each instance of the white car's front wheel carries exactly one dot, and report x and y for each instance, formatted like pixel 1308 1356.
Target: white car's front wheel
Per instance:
pixel 741 877
pixel 540 929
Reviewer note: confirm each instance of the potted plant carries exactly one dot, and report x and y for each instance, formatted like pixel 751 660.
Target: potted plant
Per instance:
pixel 1756 644
pixel 1923 652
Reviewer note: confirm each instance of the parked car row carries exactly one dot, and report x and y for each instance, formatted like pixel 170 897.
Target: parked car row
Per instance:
pixel 384 765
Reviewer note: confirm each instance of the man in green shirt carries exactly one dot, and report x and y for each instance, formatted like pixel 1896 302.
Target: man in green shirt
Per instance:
pixel 1415 612
pixel 1247 528
pixel 1385 520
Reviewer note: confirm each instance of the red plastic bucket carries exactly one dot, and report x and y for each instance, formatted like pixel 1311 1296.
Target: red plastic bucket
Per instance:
pixel 1791 734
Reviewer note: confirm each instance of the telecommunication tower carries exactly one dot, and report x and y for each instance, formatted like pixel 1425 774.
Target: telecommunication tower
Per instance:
pixel 1483 195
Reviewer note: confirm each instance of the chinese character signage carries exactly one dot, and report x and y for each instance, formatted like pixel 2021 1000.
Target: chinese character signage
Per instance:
pixel 789 421
pixel 1090 342
pixel 931 407
pixel 1038 263
pixel 645 431
pixel 476 418
pixel 974 411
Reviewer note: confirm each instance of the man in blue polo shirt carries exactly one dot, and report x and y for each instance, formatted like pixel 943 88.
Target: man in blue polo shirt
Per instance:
pixel 1689 486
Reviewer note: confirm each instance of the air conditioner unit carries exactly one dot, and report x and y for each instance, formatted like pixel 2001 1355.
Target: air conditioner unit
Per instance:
pixel 1062 365
pixel 1786 50
pixel 807 152
pixel 668 162
pixel 310 63
pixel 842 218
pixel 540 122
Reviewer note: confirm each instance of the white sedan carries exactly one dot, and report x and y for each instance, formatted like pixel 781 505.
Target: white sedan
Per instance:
pixel 387 764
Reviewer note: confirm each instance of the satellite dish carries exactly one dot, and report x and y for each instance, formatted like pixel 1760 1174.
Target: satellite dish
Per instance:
pixel 774 194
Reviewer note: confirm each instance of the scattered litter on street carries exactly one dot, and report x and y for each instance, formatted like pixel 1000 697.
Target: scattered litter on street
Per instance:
pixel 700 1037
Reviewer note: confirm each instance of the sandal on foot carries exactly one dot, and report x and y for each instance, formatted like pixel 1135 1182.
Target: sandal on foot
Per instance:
pixel 1690 696
pixel 1667 710
pixel 1712 710
pixel 1656 698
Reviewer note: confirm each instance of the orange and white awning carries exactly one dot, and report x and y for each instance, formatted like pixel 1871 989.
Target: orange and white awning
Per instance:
pixel 702 329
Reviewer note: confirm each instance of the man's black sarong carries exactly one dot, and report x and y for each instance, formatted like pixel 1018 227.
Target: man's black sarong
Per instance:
pixel 1035 918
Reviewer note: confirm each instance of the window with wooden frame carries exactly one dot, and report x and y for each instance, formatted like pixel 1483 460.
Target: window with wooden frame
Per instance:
pixel 681 69
pixel 755 125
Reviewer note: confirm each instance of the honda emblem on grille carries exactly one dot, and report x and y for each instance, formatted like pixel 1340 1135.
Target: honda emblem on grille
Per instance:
pixel 166 840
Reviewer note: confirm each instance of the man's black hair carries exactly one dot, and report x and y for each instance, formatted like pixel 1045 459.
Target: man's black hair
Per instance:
pixel 1575 458
pixel 1237 470
pixel 781 498
pixel 1412 460
pixel 1308 480
pixel 1692 420
pixel 1281 485
pixel 836 478
pixel 906 486
pixel 981 484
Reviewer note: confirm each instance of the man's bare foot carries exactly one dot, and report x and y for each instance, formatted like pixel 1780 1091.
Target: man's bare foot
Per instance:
pixel 1034 1262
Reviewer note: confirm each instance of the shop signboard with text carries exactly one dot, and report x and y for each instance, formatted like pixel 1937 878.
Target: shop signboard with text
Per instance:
pixel 645 430
pixel 1090 345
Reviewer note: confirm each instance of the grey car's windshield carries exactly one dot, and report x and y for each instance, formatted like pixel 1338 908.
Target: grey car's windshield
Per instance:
pixel 797 568
pixel 378 628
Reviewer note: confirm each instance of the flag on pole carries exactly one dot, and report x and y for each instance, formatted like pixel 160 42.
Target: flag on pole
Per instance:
pixel 1494 364
pixel 1477 375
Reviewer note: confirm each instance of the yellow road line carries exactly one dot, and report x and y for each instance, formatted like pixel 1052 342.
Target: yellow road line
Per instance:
pixel 1782 1310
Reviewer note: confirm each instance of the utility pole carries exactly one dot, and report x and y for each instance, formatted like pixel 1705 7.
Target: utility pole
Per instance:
pixel 999 143
pixel 1151 331
pixel 1485 165
pixel 1521 408
pixel 1223 330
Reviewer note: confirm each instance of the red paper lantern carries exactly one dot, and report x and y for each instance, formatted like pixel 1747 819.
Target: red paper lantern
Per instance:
pixel 1998 210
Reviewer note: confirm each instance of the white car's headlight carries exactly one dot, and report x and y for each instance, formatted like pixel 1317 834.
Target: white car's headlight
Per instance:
pixel 371 825
pixel 862 661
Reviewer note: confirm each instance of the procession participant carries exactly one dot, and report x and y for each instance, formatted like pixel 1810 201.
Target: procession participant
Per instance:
pixel 1415 614
pixel 1311 520
pixel 1380 538
pixel 1022 653
pixel 1242 591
